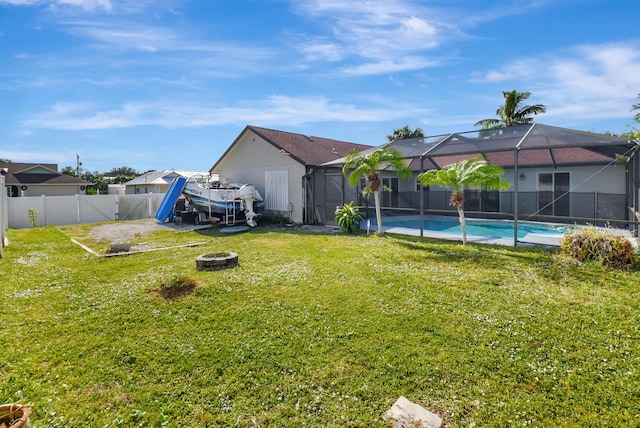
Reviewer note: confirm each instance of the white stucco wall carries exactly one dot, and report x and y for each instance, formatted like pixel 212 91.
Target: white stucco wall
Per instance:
pixel 597 178
pixel 611 179
pixel 251 157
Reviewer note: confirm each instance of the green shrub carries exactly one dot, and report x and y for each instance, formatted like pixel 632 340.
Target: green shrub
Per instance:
pixel 274 217
pixel 597 245
pixel 176 283
pixel 348 217
pixel 176 286
pixel 33 217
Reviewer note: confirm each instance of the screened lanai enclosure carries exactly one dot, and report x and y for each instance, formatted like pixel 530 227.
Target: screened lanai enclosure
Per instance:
pixel 557 175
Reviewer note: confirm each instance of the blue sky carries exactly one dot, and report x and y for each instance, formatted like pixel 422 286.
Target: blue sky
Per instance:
pixel 161 84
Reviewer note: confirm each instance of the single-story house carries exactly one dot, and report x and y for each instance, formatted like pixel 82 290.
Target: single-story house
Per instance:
pixel 36 179
pixel 284 167
pixel 157 181
pixel 556 174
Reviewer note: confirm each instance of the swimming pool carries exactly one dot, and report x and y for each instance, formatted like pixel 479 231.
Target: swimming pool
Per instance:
pixel 449 227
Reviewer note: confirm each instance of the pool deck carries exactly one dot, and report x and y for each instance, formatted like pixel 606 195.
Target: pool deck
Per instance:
pixel 529 240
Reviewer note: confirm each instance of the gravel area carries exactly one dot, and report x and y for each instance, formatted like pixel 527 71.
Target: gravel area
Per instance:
pixel 126 231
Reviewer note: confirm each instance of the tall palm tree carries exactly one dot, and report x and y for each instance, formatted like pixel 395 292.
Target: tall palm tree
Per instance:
pixel 512 112
pixel 369 166
pixel 470 173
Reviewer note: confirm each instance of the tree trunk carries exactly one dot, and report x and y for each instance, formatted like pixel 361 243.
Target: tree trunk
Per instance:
pixel 463 225
pixel 376 200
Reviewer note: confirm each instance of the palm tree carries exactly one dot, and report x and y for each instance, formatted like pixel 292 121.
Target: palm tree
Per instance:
pixel 512 112
pixel 404 133
pixel 470 173
pixel 636 107
pixel 369 166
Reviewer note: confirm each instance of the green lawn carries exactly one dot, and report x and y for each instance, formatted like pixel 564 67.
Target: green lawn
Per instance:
pixel 315 330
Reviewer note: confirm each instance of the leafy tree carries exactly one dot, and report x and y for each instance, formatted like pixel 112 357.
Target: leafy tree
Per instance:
pixel 634 134
pixel 636 107
pixel 67 170
pixel 470 173
pixel 512 112
pixel 123 170
pixel 369 166
pixel 121 178
pixel 100 184
pixel 404 133
pixel 4 160
pixel 122 174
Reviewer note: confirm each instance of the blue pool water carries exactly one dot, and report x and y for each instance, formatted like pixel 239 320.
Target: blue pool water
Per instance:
pixel 488 228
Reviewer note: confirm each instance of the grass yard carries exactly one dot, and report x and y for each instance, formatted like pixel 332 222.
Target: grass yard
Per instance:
pixel 315 330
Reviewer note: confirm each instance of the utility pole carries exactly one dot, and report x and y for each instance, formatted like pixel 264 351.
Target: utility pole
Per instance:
pixel 78 165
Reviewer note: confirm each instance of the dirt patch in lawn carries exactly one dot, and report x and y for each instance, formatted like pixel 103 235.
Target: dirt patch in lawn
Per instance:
pixel 175 288
pixel 126 237
pixel 126 231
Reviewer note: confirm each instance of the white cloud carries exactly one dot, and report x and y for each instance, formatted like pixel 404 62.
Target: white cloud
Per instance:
pixel 322 50
pixel 20 2
pixel 88 5
pixel 210 57
pixel 126 35
pixel 37 156
pixel 588 81
pixel 382 33
pixel 173 114
pixel 516 70
pixel 388 66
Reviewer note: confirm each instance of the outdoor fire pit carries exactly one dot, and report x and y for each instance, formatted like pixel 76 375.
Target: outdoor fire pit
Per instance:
pixel 217 261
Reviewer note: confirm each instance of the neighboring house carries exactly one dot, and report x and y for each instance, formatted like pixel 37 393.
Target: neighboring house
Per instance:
pixel 285 168
pixel 36 179
pixel 157 181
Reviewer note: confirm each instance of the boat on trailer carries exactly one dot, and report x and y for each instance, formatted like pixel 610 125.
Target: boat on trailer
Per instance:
pixel 224 199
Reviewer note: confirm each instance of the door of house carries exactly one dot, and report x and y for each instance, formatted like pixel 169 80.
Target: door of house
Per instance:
pixel 482 200
pixel 390 199
pixel 553 193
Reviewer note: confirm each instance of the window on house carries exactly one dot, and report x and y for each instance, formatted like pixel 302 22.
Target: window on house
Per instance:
pixel 553 193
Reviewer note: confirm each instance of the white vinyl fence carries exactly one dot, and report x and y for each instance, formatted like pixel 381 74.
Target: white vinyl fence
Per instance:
pixel 4 214
pixel 80 209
